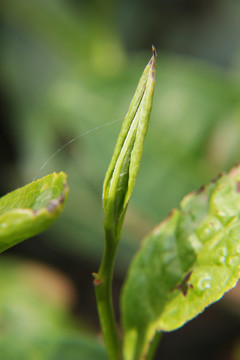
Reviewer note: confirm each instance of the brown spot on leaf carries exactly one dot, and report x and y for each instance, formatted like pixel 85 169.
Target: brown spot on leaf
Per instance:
pixel 184 286
pixel 62 197
pixel 200 190
pixel 238 187
pixel 217 178
pixel 52 205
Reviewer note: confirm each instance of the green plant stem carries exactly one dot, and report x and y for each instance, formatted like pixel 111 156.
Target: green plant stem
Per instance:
pixel 103 291
pixel 153 346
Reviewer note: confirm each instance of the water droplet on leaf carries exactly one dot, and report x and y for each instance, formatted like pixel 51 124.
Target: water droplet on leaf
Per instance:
pixel 204 282
pixel 232 260
pixel 221 255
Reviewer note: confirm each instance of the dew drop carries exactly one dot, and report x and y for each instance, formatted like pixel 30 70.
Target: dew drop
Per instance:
pixel 232 260
pixel 208 228
pixel 204 282
pixel 221 255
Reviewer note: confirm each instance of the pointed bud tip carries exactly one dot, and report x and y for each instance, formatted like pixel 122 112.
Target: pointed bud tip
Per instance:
pixel 153 62
pixel 154 51
pixel 153 58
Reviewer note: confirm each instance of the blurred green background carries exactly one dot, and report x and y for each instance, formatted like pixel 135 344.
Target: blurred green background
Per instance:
pixel 69 68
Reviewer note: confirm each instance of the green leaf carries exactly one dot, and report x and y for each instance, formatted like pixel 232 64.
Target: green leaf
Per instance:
pixel 31 209
pixel 188 262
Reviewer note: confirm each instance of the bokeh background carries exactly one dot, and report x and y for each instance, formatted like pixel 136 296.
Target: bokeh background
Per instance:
pixel 69 68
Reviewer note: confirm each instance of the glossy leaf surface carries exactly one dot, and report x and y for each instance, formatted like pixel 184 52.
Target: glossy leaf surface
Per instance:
pixel 188 262
pixel 31 209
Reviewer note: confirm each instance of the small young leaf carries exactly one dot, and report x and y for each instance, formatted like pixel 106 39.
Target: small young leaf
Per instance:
pixel 188 262
pixel 121 174
pixel 31 209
